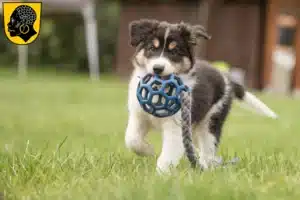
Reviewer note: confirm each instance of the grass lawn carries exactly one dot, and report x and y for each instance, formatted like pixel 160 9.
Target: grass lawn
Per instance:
pixel 62 137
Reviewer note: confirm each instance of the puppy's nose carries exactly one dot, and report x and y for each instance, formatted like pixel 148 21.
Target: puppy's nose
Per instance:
pixel 158 69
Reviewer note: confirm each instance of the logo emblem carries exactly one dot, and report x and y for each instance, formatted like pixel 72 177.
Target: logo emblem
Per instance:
pixel 22 21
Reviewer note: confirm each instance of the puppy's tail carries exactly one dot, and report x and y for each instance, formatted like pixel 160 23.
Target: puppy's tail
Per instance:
pixel 251 100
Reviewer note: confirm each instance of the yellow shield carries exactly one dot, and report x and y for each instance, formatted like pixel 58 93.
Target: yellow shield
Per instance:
pixel 22 21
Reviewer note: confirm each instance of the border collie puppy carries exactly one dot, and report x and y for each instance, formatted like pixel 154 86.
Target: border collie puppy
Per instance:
pixel 163 48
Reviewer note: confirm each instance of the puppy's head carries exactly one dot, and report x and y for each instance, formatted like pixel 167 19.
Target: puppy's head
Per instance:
pixel 163 48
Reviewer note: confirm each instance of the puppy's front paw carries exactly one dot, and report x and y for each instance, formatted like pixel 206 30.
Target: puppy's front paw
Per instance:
pixel 140 147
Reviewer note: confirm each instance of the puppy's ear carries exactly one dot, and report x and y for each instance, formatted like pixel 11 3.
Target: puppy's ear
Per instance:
pixel 193 33
pixel 185 31
pixel 139 30
pixel 200 32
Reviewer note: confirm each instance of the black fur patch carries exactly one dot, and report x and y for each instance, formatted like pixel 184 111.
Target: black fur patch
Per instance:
pixel 209 88
pixel 218 119
pixel 141 30
pixel 239 90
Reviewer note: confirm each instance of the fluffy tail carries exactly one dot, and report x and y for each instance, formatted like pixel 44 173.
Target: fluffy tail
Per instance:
pixel 252 101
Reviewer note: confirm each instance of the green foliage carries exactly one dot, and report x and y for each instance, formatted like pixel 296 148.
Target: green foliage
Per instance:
pixel 61 42
pixel 221 65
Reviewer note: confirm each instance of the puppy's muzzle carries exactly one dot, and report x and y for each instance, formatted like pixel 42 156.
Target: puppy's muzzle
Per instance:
pixel 158 69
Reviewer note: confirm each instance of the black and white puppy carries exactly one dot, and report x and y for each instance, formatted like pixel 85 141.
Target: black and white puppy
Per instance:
pixel 165 48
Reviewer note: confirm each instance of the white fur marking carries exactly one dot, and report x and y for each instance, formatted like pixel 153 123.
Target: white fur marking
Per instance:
pixel 140 59
pixel 207 149
pixel 258 105
pixel 165 41
pixel 219 105
pixel 160 61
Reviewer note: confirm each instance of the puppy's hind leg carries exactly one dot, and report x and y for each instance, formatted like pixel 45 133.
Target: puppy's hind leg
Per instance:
pixel 137 129
pixel 209 133
pixel 208 147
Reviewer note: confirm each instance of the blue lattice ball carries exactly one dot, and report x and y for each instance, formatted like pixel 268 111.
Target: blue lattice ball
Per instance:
pixel 160 97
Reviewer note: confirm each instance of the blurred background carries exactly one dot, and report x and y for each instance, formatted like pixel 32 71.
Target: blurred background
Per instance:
pixel 258 40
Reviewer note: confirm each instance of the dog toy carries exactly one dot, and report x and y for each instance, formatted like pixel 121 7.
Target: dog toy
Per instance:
pixel 160 97
pixel 186 128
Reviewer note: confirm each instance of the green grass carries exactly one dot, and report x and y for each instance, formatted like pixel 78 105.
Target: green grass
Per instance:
pixel 62 137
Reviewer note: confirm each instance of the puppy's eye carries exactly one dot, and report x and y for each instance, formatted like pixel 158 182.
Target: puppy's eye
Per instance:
pixel 152 48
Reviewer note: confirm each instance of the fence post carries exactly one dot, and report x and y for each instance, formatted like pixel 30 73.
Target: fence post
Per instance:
pixel 22 60
pixel 91 35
